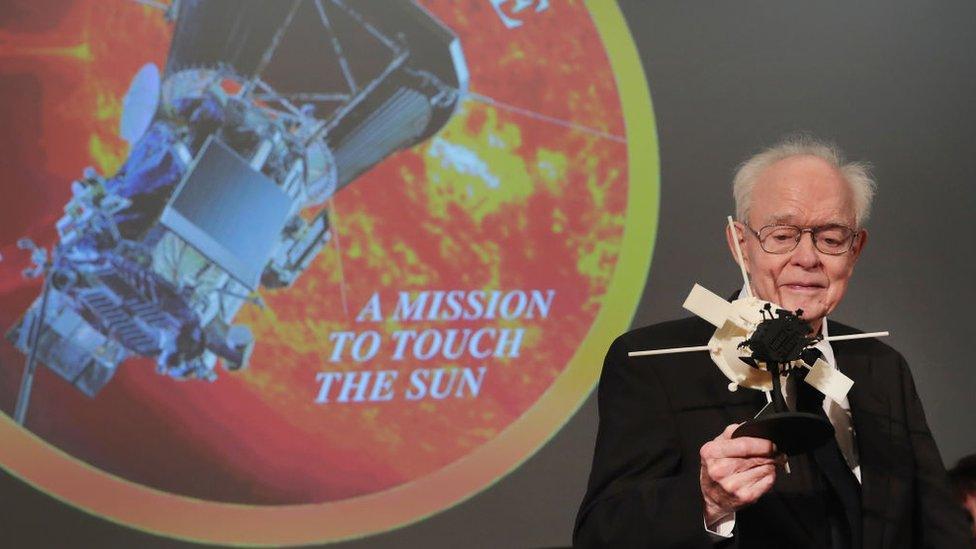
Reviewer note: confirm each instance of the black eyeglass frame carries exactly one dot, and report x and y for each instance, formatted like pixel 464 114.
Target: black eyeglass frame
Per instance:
pixel 813 236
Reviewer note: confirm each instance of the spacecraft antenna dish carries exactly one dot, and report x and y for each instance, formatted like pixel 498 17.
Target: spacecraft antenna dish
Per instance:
pixel 140 103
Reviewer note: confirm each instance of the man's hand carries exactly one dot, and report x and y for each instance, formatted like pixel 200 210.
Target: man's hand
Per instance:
pixel 735 472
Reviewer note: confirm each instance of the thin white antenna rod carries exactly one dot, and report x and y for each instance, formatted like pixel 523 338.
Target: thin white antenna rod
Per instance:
pixel 673 350
pixel 668 351
pixel 856 336
pixel 738 257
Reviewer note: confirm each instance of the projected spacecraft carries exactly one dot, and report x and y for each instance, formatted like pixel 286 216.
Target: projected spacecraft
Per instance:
pixel 264 110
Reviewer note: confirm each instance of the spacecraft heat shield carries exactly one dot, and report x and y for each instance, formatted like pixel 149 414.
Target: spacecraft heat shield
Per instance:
pixel 230 33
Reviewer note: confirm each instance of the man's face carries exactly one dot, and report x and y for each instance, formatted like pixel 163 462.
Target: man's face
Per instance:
pixel 970 505
pixel 807 192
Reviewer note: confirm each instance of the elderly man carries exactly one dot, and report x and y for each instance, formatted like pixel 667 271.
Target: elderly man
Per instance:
pixel 666 472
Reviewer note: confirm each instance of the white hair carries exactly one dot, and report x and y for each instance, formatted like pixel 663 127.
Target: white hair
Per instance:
pixel 857 174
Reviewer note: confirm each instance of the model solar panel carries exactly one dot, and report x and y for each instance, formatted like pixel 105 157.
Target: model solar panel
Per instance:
pixel 229 212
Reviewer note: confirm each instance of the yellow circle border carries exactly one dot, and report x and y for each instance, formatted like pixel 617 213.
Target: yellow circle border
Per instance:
pixel 72 481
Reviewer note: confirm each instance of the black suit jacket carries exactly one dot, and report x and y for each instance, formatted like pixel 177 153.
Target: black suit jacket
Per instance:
pixel 656 413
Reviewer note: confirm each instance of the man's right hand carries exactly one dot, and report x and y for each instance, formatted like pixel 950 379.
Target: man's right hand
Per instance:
pixel 735 472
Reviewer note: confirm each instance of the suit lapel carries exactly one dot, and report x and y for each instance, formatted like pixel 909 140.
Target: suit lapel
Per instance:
pixel 871 416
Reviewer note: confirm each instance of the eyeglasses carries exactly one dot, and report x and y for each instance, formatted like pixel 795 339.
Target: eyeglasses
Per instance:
pixel 829 239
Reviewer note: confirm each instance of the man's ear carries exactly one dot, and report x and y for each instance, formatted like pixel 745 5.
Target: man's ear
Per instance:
pixel 859 242
pixel 740 235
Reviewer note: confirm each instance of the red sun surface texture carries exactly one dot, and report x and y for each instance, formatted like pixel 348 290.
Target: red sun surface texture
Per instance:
pixel 545 213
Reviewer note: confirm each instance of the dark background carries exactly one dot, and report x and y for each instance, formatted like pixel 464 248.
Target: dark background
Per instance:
pixel 892 82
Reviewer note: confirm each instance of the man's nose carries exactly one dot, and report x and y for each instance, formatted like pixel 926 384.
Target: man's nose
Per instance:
pixel 805 254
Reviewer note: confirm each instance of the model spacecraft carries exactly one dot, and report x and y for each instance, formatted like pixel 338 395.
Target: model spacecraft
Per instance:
pixel 736 324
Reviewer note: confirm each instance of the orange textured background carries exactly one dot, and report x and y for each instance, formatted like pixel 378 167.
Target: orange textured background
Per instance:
pixel 412 223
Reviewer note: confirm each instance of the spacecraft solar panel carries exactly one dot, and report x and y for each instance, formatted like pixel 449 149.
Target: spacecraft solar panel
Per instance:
pixel 231 213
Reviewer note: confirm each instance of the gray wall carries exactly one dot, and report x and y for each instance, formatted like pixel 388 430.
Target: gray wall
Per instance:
pixel 892 82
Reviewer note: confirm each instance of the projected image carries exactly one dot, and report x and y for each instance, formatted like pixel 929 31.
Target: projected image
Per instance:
pixel 263 260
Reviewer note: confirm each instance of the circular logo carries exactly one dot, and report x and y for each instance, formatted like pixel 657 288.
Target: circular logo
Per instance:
pixel 301 272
